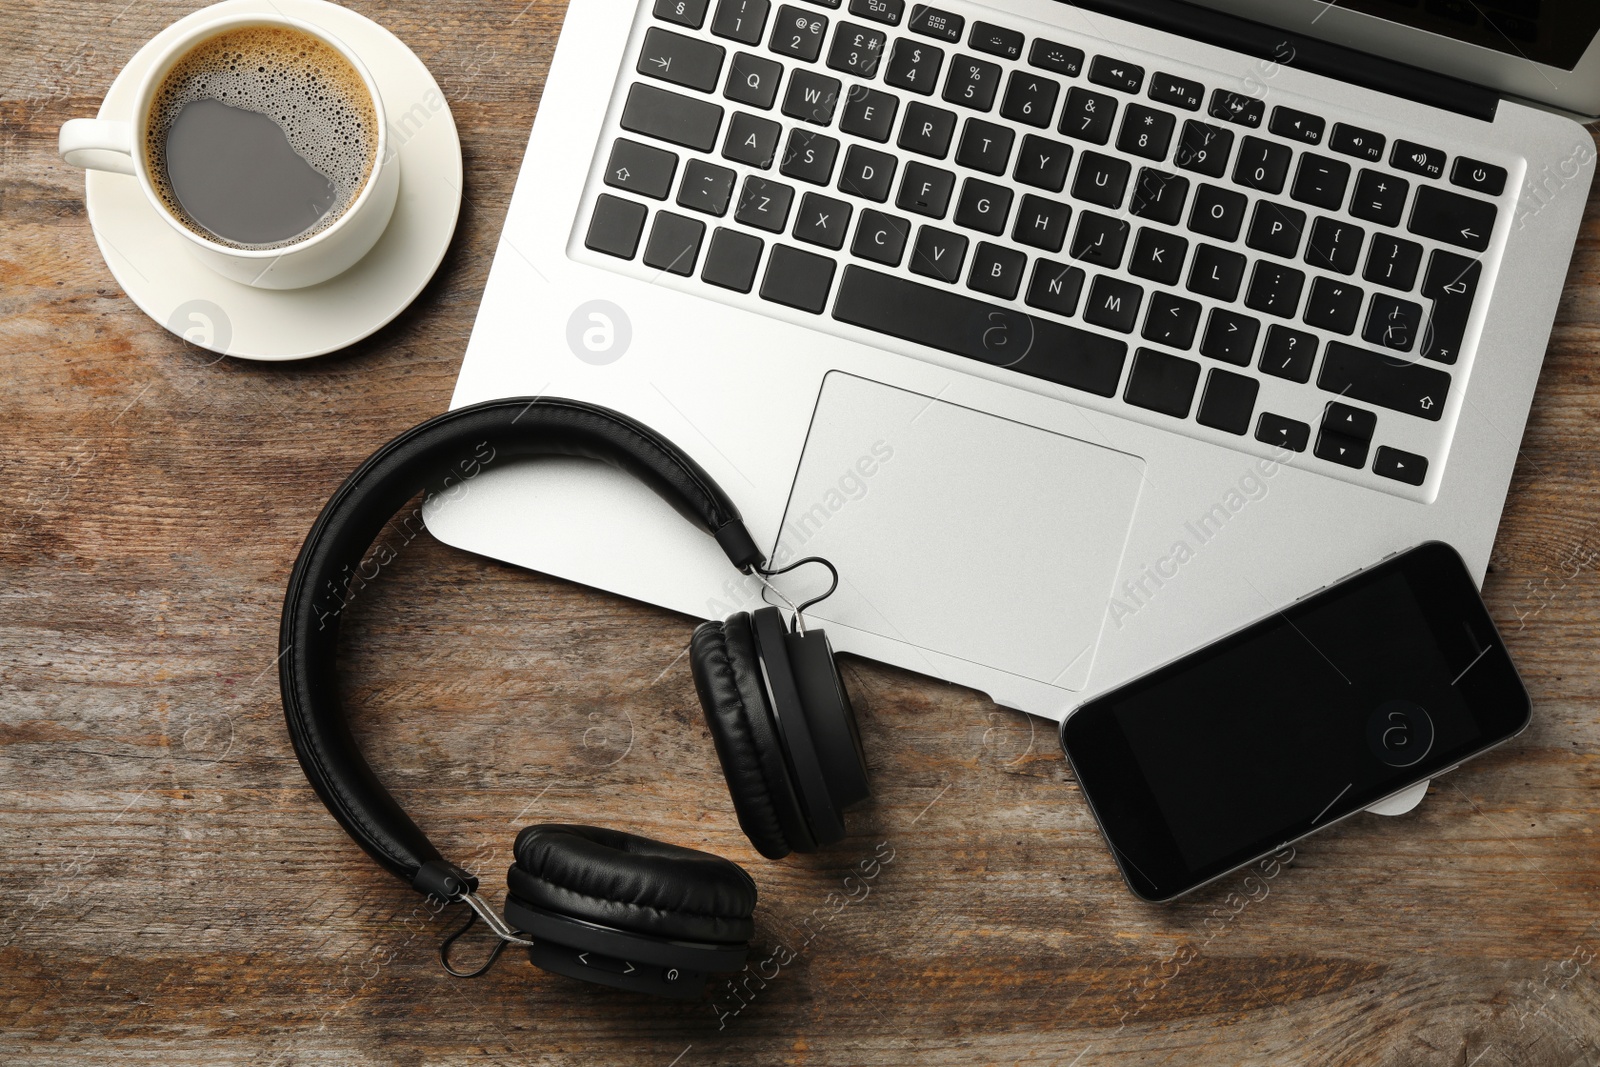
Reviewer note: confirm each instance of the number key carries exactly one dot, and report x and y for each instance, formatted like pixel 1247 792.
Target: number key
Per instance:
pixel 1146 132
pixel 1262 165
pixel 914 66
pixel 798 34
pixel 1030 99
pixel 1204 148
pixel 741 20
pixel 972 83
pixel 856 50
pixel 1088 116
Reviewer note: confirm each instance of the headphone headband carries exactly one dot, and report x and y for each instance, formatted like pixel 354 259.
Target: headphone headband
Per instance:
pixel 455 446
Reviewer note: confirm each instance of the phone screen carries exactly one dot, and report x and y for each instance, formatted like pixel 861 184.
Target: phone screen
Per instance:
pixel 1297 720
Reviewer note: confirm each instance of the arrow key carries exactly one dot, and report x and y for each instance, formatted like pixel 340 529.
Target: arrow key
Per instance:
pixel 1401 466
pixel 1454 219
pixel 1341 448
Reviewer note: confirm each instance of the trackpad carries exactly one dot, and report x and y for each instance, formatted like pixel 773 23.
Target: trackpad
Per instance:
pixel 961 532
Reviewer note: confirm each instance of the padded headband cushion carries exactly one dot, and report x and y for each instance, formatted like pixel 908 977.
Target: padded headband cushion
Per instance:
pixel 727 675
pixel 633 883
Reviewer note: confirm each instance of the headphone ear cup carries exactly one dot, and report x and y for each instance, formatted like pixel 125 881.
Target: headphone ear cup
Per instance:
pixel 727 676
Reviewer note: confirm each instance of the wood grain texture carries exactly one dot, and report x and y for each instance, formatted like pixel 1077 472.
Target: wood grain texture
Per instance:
pixel 171 892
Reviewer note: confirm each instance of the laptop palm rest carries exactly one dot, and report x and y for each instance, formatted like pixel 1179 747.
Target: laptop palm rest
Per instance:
pixel 959 532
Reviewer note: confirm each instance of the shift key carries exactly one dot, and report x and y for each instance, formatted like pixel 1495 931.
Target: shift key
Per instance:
pixel 1384 380
pixel 672 117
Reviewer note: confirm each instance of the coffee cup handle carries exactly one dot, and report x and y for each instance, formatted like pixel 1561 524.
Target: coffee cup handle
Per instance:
pixel 98 144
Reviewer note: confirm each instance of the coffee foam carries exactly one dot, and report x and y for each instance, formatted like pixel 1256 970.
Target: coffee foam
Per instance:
pixel 304 86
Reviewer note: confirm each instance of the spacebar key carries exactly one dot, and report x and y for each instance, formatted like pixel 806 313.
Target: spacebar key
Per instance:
pixel 990 333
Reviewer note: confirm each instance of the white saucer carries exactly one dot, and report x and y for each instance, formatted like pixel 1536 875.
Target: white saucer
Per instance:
pixel 155 268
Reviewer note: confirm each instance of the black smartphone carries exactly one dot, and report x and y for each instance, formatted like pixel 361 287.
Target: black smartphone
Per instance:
pixel 1350 695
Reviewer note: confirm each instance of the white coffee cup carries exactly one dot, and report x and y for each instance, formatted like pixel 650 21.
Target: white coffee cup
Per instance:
pixel 117 146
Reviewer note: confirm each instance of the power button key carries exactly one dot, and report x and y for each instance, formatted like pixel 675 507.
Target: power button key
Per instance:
pixel 1483 178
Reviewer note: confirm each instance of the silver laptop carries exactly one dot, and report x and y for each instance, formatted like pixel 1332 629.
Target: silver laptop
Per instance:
pixel 1074 334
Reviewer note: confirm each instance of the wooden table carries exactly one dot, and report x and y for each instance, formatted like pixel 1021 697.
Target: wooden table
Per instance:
pixel 171 892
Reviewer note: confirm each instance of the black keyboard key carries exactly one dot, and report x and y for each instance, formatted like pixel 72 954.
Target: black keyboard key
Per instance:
pixel 996 271
pixel 1321 181
pixel 996 40
pixel 1334 305
pixel 1171 320
pixel 1288 354
pixel 868 113
pixel 1297 125
pixel 1230 337
pixel 1381 379
pixel 1394 262
pixel 681 60
pixel 732 259
pixel 983 206
pixel 1416 158
pixel 1204 148
pixel 938 254
pixel 1057 58
pixel 1113 304
pixel 753 80
pixel 881 238
pixel 1101 180
pixel 1100 240
pixel 1401 466
pixel 926 190
pixel 641 169
pixel 1055 287
pixel 1030 99
pixel 985 146
pixel 1485 178
pixel 752 140
pixel 888 12
pixel 797 279
pixel 1452 218
pixel 972 82
pixel 1041 223
pixel 1217 273
pixel 798 34
pixel 822 220
pixel 1392 323
pixel 1228 402
pixel 809 157
pixel 674 244
pixel 691 13
pixel 615 226
pixel 1276 229
pixel 1237 108
pixel 671 117
pixel 857 50
pixel 706 187
pixel 1262 165
pixel 1335 245
pixel 1352 422
pixel 1116 74
pixel 1146 132
pixel 1159 196
pixel 811 97
pixel 764 204
pixel 742 21
pixel 1275 289
pixel 1340 448
pixel 931 22
pixel 1179 92
pixel 1284 433
pixel 927 130
pixel 1088 116
pixel 1452 285
pixel 980 330
pixel 1380 198
pixel 1354 141
pixel 1162 382
pixel 868 173
pixel 1043 163
pixel 1158 256
pixel 914 66
pixel 1217 212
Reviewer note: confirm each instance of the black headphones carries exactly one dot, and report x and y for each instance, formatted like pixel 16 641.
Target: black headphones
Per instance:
pixel 596 904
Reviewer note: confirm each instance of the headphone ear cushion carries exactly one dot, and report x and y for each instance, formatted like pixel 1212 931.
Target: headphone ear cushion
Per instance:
pixel 633 883
pixel 727 675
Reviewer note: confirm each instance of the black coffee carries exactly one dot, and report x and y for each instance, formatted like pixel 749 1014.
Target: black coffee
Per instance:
pixel 261 137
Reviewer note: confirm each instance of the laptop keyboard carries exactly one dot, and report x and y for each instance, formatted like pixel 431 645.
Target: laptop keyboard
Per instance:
pixel 1250 272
